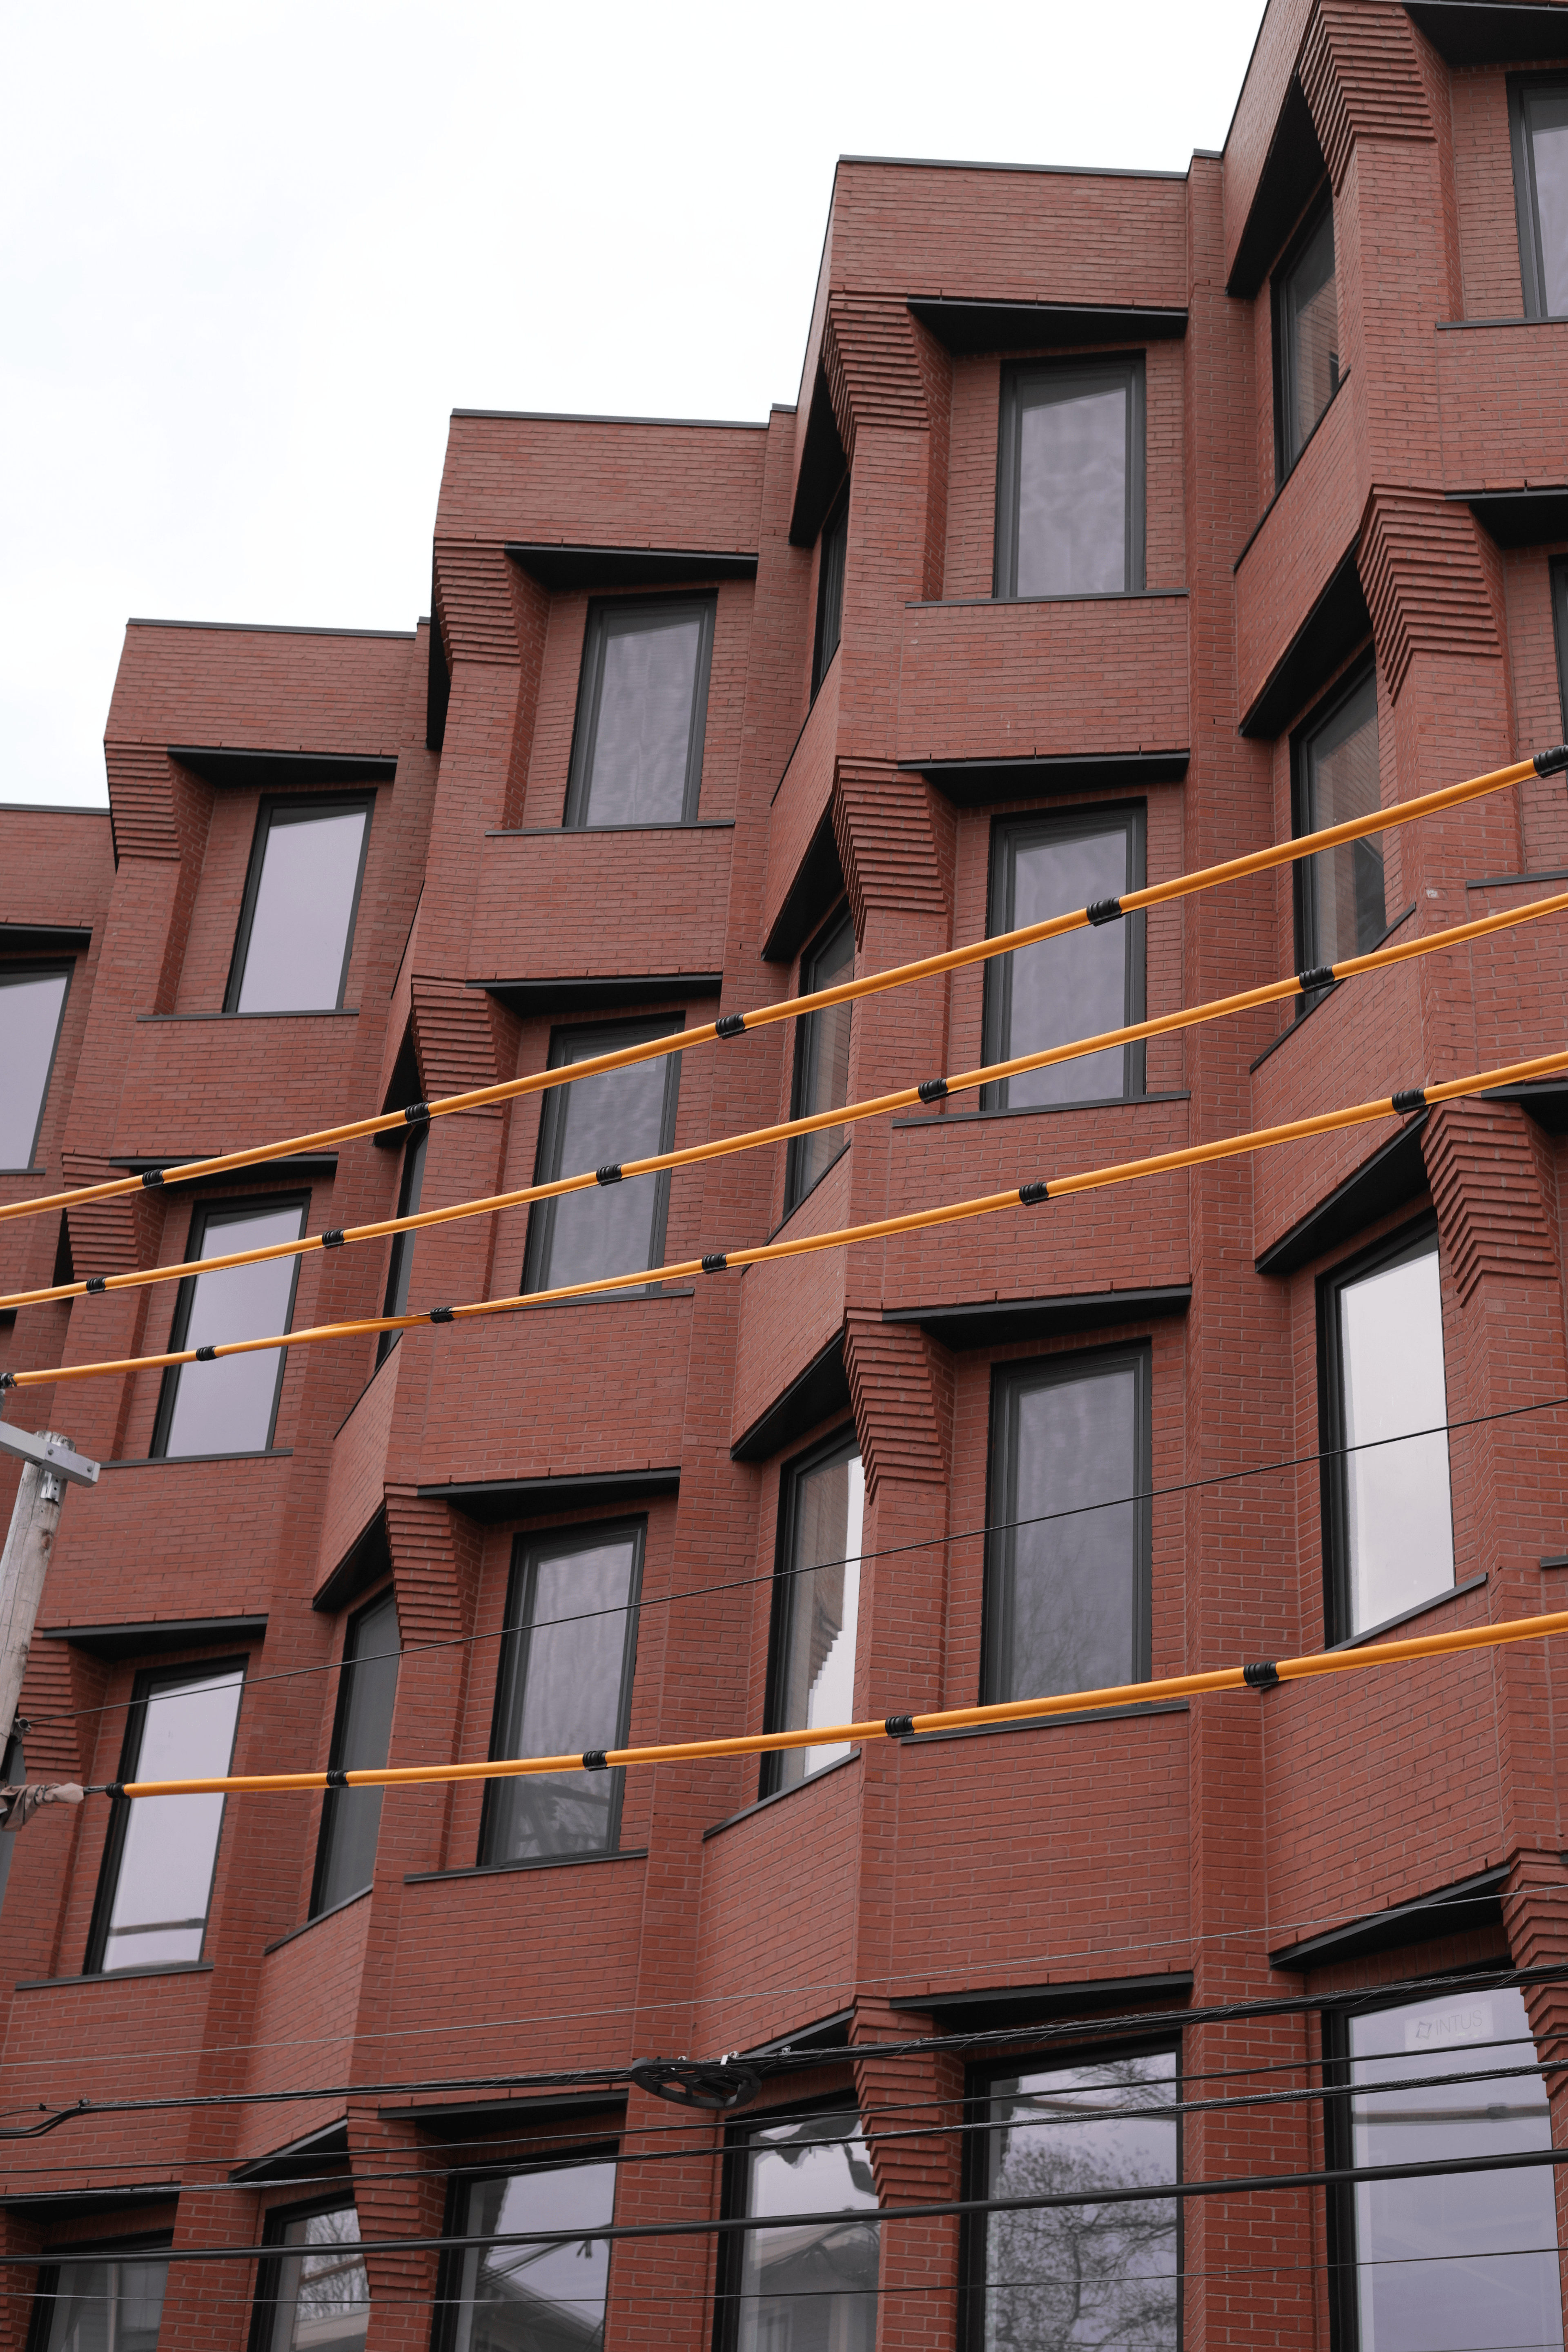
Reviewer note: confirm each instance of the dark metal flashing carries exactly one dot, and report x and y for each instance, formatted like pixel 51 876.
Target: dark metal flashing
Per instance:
pixel 196 1460
pixel 264 628
pixel 438 683
pixel 146 1638
pixel 996 1322
pixel 818 881
pixel 322 1165
pixel 777 1796
pixel 591 416
pixel 557 567
pixel 65 2204
pixel 1490 32
pixel 1336 626
pixel 1051 1722
pixel 326 2148
pixel 1291 170
pixel 531 998
pixel 825 2033
pixel 535 1862
pixel 1456 1910
pixel 1044 1110
pixel 1394 1173
pixel 40 939
pixel 594 831
pixel 285 770
pixel 1408 1616
pixel 457 2118
pixel 1519 518
pixel 366 1561
pixel 964 326
pixel 493 1500
pixel 978 783
pixel 814 1395
pixel 824 466
pixel 993 2006
pixel 1545 1100
pixel 305 1925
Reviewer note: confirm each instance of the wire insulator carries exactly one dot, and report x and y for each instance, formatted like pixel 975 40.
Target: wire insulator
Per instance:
pixel 442 1314
pixel 1104 910
pixel 729 1025
pixel 333 1239
pixel 900 1726
pixel 1409 1098
pixel 715 1263
pixel 1031 1195
pixel 609 1175
pixel 1263 1677
pixel 932 1089
pixel 95 1283
pixel 593 1760
pixel 1551 763
pixel 417 1114
pixel 152 1178
pixel 1320 976
pixel 336 1779
pixel 206 1355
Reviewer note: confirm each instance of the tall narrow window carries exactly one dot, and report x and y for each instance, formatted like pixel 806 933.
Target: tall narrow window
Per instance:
pixel 1069 480
pixel 1389 1520
pixel 800 2283
pixel 564 1687
pixel 821 1060
pixel 515 2296
pixel 1560 630
pixel 1341 907
pixel 1067 1578
pixel 313 2294
pixel 830 589
pixel 1062 989
pixel 816 1607
pixel 401 1265
pixel 32 1005
pixel 361 1736
pixel 1539 112
pixel 623 1115
pixel 1467 2260
pixel 1101 2274
pixel 641 712
pixel 230 1406
pixel 297 921
pixel 157 1876
pixel 1306 341
pixel 102 2302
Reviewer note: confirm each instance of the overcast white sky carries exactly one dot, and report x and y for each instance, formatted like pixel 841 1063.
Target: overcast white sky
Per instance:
pixel 255 254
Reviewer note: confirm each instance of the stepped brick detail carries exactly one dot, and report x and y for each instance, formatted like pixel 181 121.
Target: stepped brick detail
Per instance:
pixel 1362 78
pixel 142 801
pixel 454 1036
pixel 108 1236
pixel 901 1401
pixel 478 601
pixel 1421 566
pixel 1481 1161
pixel 895 839
pixel 436 1568
pixel 876 366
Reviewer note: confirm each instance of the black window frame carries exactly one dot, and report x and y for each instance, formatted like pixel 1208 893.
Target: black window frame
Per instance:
pixel 145 2247
pixel 332 1802
pixel 51 967
pixel 148 1680
pixel 400 1264
pixel 1557 572
pixel 1064 824
pixel 603 2148
pixel 202 1216
pixel 1127 369
pixel 297 807
pixel 590 686
pixel 609 1036
pixel 269 2271
pixel 1361 672
pixel 833 562
pixel 511 1666
pixel 738 2139
pixel 1287 459
pixel 808 1034
pixel 1060 1370
pixel 839 1442
pixel 1521 88
pixel 1413 1239
pixel 980 2090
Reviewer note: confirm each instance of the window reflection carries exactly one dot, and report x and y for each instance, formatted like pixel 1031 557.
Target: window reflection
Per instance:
pixel 322 2289
pixel 1343 905
pixel 361 1736
pixel 819 1611
pixel 105 2306
pixel 821 1061
pixel 1070 502
pixel 304 890
pixel 1398 1528
pixel 637 757
pixel 808 2287
pixel 1307 327
pixel 620 1115
pixel 228 1407
pixel 533 2298
pixel 1060 990
pixel 31 1004
pixel 162 1850
pixel 1541 163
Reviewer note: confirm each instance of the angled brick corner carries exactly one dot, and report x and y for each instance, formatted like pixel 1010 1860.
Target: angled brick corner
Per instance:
pixel 1362 78
pixel 895 839
pixel 1421 565
pixel 480 605
pixel 876 367
pixel 454 1036
pixel 1485 1181
pixel 899 1394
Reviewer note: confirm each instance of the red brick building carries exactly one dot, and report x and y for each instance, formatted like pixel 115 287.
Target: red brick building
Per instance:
pixel 1124 522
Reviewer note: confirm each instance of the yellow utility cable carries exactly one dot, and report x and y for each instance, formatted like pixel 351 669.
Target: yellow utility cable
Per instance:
pixel 905 1099
pixel 733 1024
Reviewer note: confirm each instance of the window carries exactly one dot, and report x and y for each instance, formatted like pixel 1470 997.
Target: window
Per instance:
pixel 1539 113
pixel 1094 2274
pixel 401 1265
pixel 809 2285
pixel 1340 909
pixel 623 1115
pixel 313 2295
pixel 158 1863
pixel 103 2302
pixel 1463 2259
pixel 1387 1520
pixel 821 1060
pixel 1069 480
pixel 32 1003
pixel 532 2298
pixel 1560 630
pixel 565 1686
pixel 1067 1576
pixel 230 1407
pixel 362 1735
pixel 1073 987
pixel 1306 341
pixel 297 920
pixel 816 1607
pixel 642 713
pixel 830 589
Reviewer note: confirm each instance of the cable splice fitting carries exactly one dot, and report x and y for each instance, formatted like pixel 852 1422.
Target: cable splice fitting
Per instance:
pixel 417 1114
pixel 152 1178
pixel 1263 1677
pixel 334 1239
pixel 95 1283
pixel 336 1779
pixel 1104 910
pixel 900 1726
pixel 593 1760
pixel 7 1380
pixel 609 1175
pixel 932 1089
pixel 1409 1098
pixel 715 1263
pixel 441 1314
pixel 1320 976
pixel 1031 1195
pixel 206 1355
pixel 729 1025
pixel 115 1789
pixel 1551 763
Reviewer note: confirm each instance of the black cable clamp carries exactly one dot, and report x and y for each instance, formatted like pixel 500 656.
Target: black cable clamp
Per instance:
pixel 206 1355
pixel 729 1025
pixel 115 1789
pixel 593 1760
pixel 715 1263
pixel 1104 910
pixel 1031 1195
pixel 336 1779
pixel 334 1239
pixel 1551 763
pixel 417 1114
pixel 1320 976
pixel 1263 1677
pixel 900 1726
pixel 1409 1098
pixel 609 1175
pixel 153 1178
pixel 7 1380
pixel 932 1089
pixel 442 1314
pixel 95 1283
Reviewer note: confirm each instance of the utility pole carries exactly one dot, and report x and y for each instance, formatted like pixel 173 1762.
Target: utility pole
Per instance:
pixel 49 1463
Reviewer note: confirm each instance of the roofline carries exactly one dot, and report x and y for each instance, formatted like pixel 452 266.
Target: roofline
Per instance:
pixel 1048 170
pixel 270 628
pixel 53 808
pixel 1246 70
pixel 580 417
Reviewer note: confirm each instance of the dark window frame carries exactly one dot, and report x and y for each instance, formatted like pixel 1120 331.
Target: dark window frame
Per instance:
pixel 1064 824
pixel 1128 369
pixel 552 1115
pixel 1526 201
pixel 269 2271
pixel 332 1802
pixel 296 808
pixel 511 1663
pixel 1060 1370
pixel 51 967
pixel 839 1443
pixel 143 2248
pixel 1318 207
pixel 832 567
pixel 589 688
pixel 1412 1239
pixel 1362 670
pixel 202 1216
pixel 400 1264
pixel 979 2089
pixel 808 1033
pixel 148 1682
pixel 737 2140
pixel 1557 572
pixel 463 2180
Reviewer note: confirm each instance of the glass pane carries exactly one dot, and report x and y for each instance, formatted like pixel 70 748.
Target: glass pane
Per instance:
pixel 563 1694
pixel 294 961
pixel 29 1023
pixel 642 743
pixel 831 593
pixel 400 1263
pixel 536 2298
pixel 1084 2275
pixel 1466 2259
pixel 1349 913
pixel 1548 120
pixel 1066 1616
pixel 822 1611
pixel 811 2286
pixel 1312 341
pixel 324 2297
pixel 1072 987
pixel 1397 1496
pixel 621 1116
pixel 165 1878
pixel 108 2307
pixel 1073 494
pixel 824 1059
pixel 226 1408
pixel 353 1816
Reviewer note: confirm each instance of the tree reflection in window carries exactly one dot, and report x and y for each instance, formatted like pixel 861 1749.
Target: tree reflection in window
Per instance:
pixel 808 2287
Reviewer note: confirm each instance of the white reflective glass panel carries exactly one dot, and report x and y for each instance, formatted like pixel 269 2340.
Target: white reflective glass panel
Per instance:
pixel 641 742
pixel 304 904
pixel 1399 1521
pixel 323 2292
pixel 165 1881
pixel 30 1010
pixel 1073 494
pixel 108 2307
pixel 533 2298
pixel 1546 118
pixel 822 1612
pixel 226 1407
pixel 1073 987
pixel 808 2286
